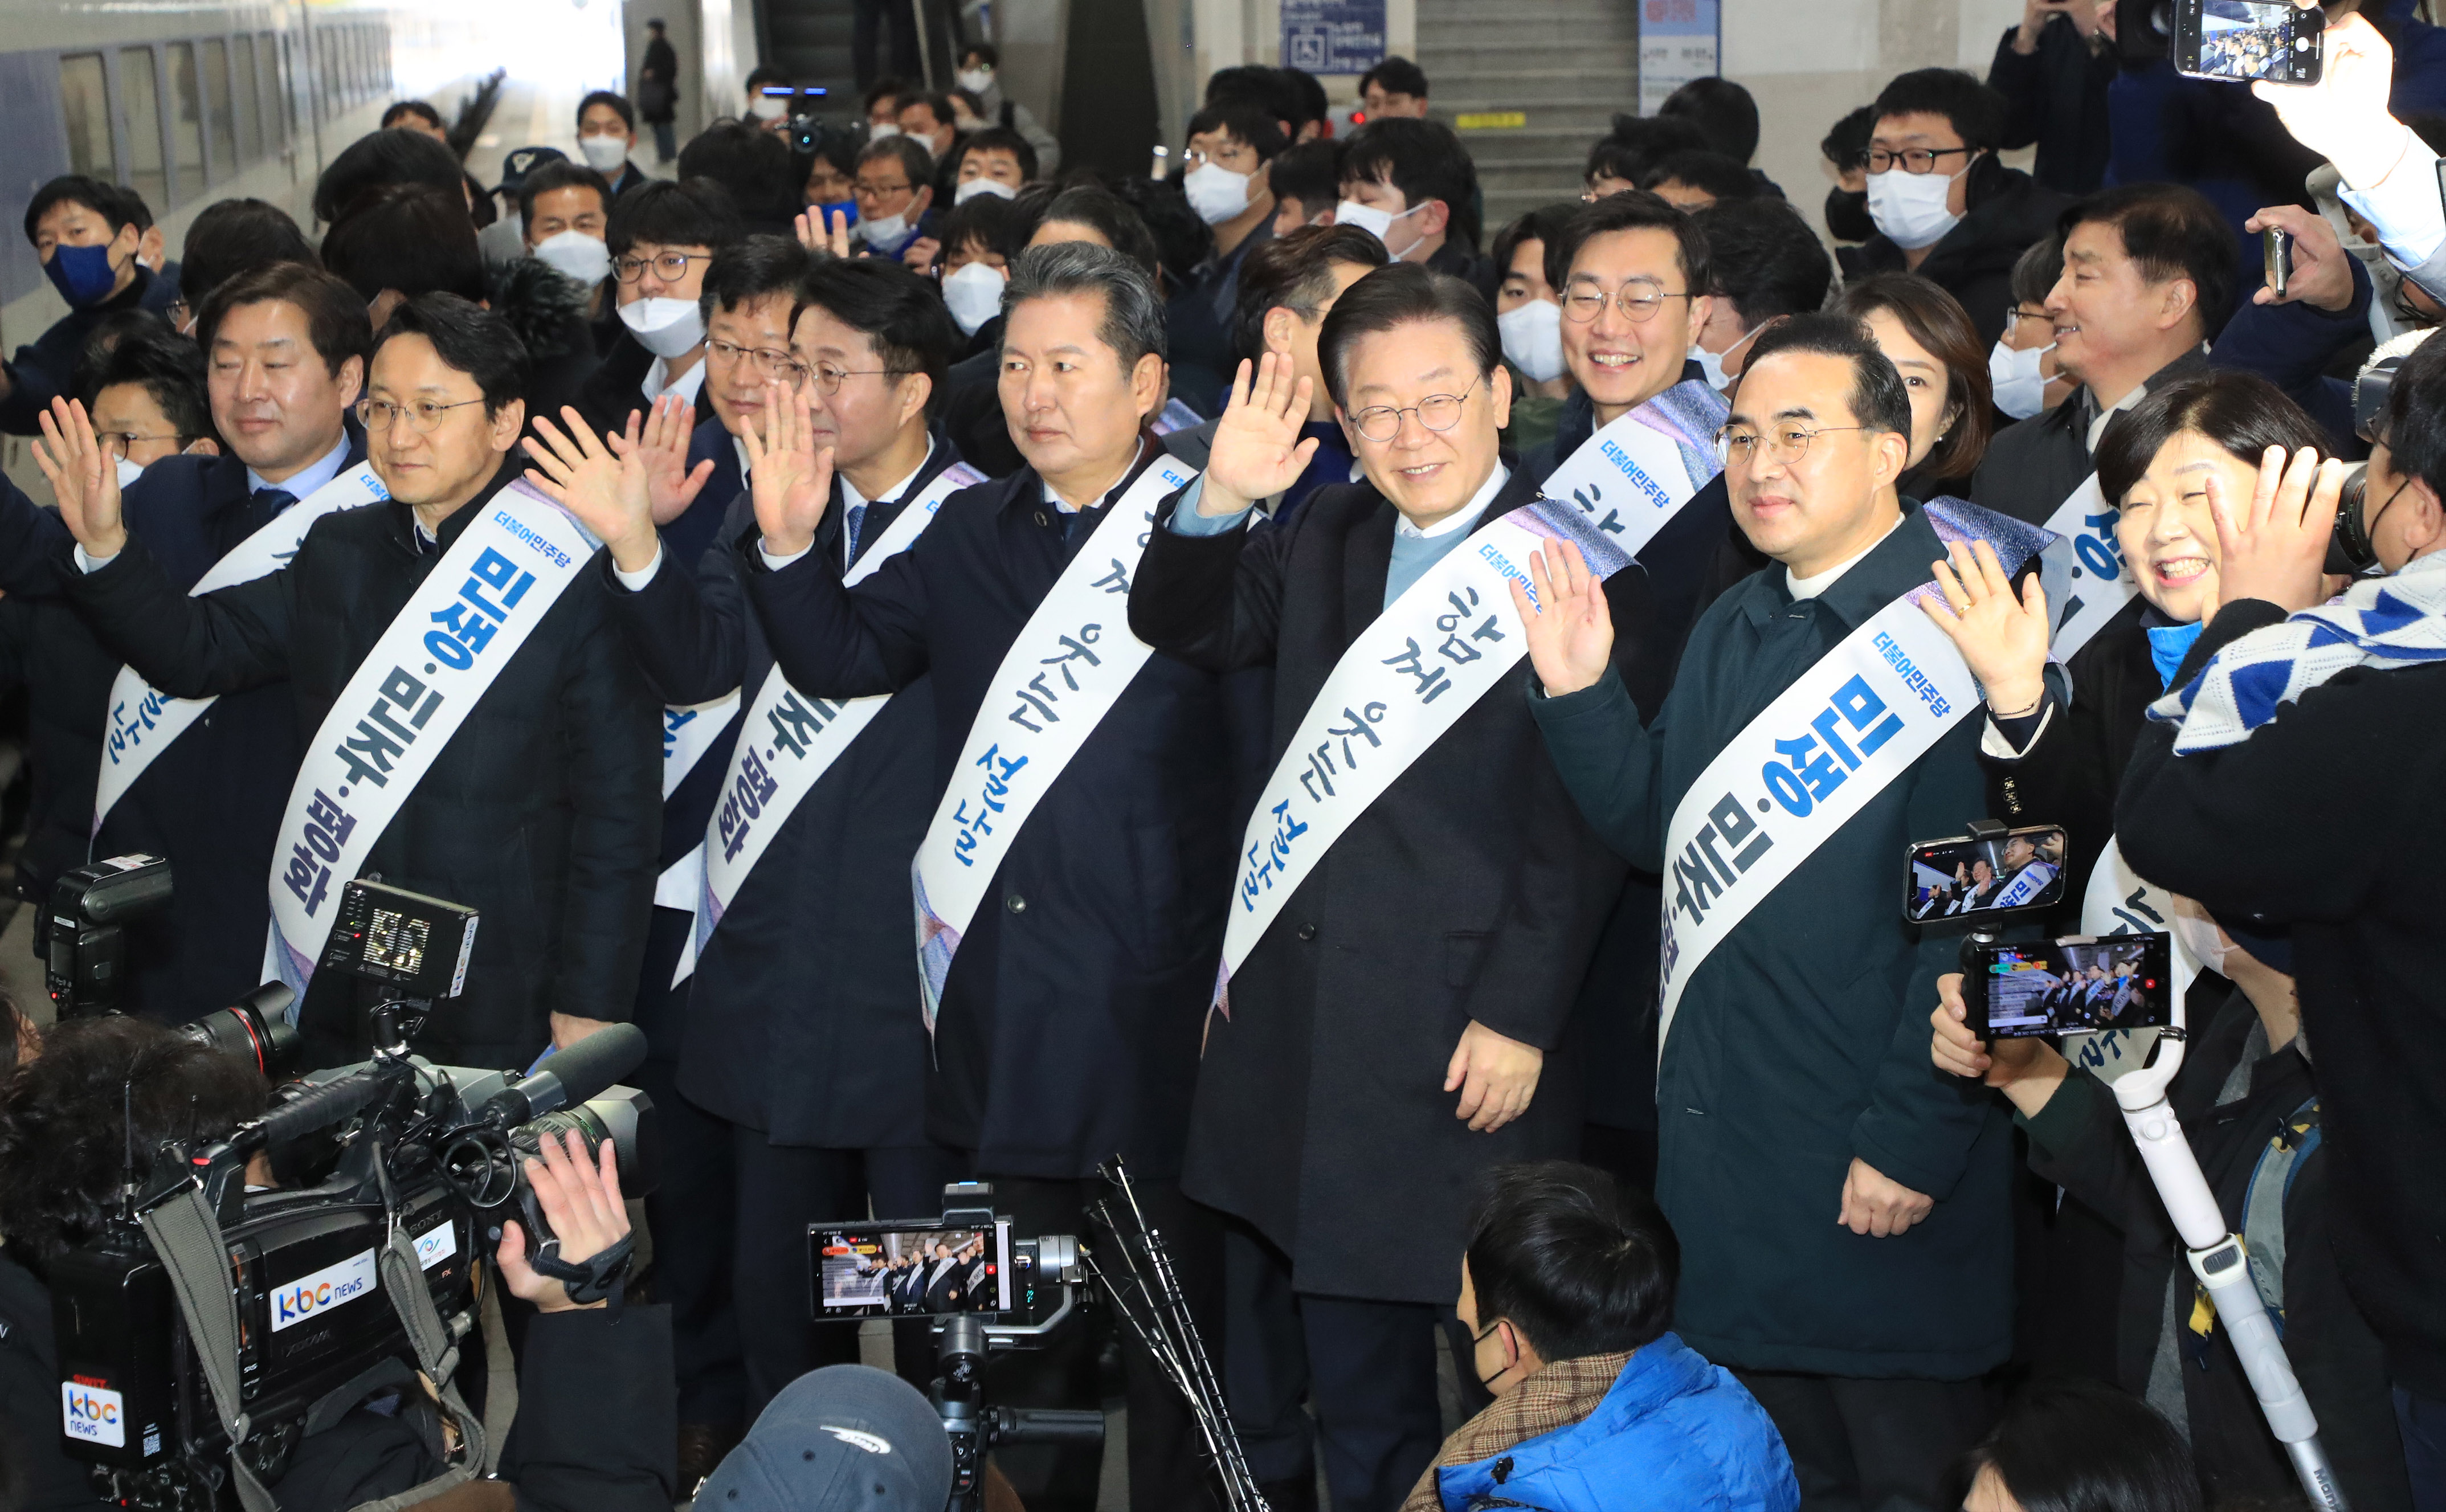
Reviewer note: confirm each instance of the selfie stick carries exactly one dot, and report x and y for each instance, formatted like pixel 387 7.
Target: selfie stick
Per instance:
pixel 2218 1260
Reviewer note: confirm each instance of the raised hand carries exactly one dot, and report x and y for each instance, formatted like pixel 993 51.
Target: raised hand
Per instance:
pixel 661 446
pixel 2005 639
pixel 2323 275
pixel 2274 546
pixel 2344 117
pixel 1257 450
pixel 1570 627
pixel 84 477
pixel 604 489
pixel 814 237
pixel 789 480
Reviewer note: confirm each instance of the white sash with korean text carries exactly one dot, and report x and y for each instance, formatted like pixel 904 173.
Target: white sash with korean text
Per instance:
pixel 1068 667
pixel 768 778
pixel 1849 725
pixel 2083 572
pixel 1451 638
pixel 406 700
pixel 144 720
pixel 2121 901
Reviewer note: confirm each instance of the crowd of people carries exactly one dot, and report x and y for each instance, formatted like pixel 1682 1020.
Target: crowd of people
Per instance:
pixel 1505 677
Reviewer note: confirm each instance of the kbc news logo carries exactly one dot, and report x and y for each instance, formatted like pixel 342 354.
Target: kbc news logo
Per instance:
pixel 311 1295
pixel 94 1414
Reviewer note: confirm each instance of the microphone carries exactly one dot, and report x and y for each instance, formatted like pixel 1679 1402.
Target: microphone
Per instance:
pixel 573 1075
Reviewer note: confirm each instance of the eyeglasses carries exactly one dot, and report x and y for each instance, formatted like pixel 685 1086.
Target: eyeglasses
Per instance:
pixel 1199 156
pixel 1784 443
pixel 2013 318
pixel 828 378
pixel 119 441
pixel 423 416
pixel 867 191
pixel 1437 412
pixel 669 267
pixel 1638 300
pixel 1911 160
pixel 769 361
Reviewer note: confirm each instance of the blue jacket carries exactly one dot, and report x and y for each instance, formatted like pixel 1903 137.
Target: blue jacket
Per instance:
pixel 1675 1433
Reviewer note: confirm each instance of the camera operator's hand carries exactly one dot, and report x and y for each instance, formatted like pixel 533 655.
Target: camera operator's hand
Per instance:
pixel 84 479
pixel 2321 278
pixel 2274 545
pixel 581 1200
pixel 2027 1072
pixel 1495 1075
pixel 2002 637
pixel 789 480
pixel 1570 627
pixel 1878 1206
pixel 2343 118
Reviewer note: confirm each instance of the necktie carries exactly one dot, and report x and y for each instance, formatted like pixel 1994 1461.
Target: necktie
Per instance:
pixel 271 501
pixel 850 527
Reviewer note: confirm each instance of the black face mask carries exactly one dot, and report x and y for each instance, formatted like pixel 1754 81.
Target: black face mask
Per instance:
pixel 1847 214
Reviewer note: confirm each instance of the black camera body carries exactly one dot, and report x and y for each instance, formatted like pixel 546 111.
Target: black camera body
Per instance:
pixel 85 958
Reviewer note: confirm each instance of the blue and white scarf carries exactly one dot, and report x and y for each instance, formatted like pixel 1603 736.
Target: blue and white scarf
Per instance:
pixel 2383 623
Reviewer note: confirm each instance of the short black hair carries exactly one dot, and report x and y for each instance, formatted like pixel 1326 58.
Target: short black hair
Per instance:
pixel 78 189
pixel 1712 173
pixel 998 225
pixel 1637 143
pixel 2068 1443
pixel 1846 143
pixel 1294 272
pixel 1395 75
pixel 2240 412
pixel 765 73
pixel 400 109
pixel 1133 324
pixel 169 366
pixel 1631 210
pixel 1878 400
pixel 1977 112
pixel 882 89
pixel 471 340
pixel 1765 258
pixel 1310 91
pixel 1424 160
pixel 1936 321
pixel 751 268
pixel 908 151
pixel 619 104
pixel 898 310
pixel 1182 239
pixel 1542 225
pixel 938 104
pixel 105 1091
pixel 1258 85
pixel 1402 294
pixel 689 212
pixel 380 159
pixel 1115 219
pixel 2414 424
pixel 560 174
pixel 1720 108
pixel 750 163
pixel 2037 271
pixel 984 52
pixel 1244 120
pixel 229 237
pixel 336 326
pixel 2172 232
pixel 1309 172
pixel 1575 1260
pixel 140 215
pixel 997 138
pixel 411 237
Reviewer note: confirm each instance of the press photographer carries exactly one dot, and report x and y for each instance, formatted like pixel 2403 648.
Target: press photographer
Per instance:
pixel 85 1117
pixel 2288 783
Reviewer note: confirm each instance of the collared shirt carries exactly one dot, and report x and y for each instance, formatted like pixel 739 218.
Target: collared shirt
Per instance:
pixel 1415 550
pixel 851 499
pixel 2404 205
pixel 1816 583
pixel 303 483
pixel 659 381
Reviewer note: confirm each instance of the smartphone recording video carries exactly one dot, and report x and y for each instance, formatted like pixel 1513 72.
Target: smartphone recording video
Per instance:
pixel 912 1270
pixel 2271 40
pixel 2077 985
pixel 1965 876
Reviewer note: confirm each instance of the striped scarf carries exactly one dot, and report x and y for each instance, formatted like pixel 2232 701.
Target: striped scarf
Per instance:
pixel 1561 1394
pixel 2383 622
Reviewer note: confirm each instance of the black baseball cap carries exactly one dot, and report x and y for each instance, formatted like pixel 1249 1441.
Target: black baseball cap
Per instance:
pixel 845 1437
pixel 522 162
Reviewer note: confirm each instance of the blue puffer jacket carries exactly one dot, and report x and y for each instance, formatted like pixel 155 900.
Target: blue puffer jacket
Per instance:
pixel 1674 1435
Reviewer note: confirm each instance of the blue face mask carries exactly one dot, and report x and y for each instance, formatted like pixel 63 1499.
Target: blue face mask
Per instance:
pixel 82 275
pixel 845 207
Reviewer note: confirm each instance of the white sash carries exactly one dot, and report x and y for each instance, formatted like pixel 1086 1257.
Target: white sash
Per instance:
pixel 1849 725
pixel 2026 884
pixel 1445 643
pixel 406 700
pixel 144 720
pixel 2118 902
pixel 2084 573
pixel 767 780
pixel 1068 667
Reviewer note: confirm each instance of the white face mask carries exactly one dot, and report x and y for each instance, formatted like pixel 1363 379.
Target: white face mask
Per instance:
pixel 666 327
pixel 1532 339
pixel 1911 208
pixel 1376 223
pixel 983 186
pixel 2021 387
pixel 1216 193
pixel 974 293
pixel 882 132
pixel 129 471
pixel 604 154
pixel 577 255
pixel 1712 363
pixel 886 235
pixel 975 81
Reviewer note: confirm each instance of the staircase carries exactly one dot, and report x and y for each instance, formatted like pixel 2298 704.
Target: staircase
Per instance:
pixel 1565 67
pixel 809 40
